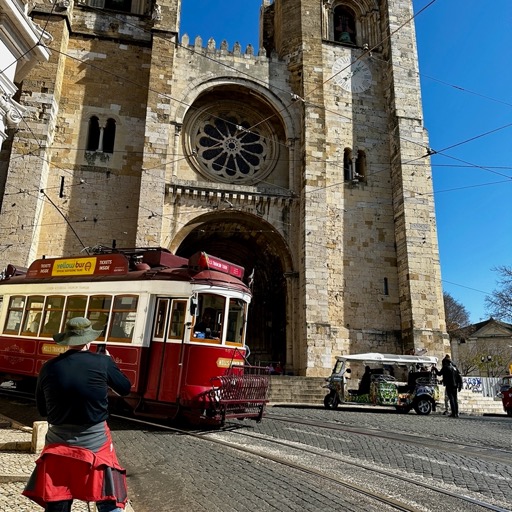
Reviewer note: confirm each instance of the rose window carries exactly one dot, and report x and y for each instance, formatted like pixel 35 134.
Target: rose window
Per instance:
pixel 235 145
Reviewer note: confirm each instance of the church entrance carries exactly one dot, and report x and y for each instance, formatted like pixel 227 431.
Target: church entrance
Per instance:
pixel 251 243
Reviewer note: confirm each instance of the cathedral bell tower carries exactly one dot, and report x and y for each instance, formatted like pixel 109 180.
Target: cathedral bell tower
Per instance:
pixel 369 240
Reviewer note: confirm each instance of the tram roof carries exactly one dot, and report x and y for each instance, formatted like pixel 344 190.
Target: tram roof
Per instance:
pixel 131 265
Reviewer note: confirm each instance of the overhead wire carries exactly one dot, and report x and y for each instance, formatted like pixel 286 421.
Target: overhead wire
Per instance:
pixel 173 99
pixel 233 69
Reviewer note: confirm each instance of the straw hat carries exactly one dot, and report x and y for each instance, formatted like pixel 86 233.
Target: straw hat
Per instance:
pixel 78 332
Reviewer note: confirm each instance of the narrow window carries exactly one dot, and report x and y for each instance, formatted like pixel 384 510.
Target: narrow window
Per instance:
pixel 177 319
pixel 386 286
pixel 236 322
pixel 344 26
pixel 347 164
pixel 361 166
pixel 109 136
pixel 160 318
pixel 93 135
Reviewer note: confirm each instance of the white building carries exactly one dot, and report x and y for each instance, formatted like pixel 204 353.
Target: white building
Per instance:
pixel 22 46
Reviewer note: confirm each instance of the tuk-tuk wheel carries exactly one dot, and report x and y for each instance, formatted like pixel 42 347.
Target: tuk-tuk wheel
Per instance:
pixel 331 401
pixel 509 411
pixel 423 406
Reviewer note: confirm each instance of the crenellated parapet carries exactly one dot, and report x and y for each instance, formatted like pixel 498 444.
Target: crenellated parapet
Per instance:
pixel 211 48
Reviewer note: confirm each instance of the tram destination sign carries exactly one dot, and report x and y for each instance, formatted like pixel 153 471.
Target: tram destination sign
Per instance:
pixel 99 265
pixel 201 260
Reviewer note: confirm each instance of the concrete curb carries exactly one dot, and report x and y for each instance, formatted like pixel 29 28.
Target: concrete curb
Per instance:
pixel 16 446
pixel 4 479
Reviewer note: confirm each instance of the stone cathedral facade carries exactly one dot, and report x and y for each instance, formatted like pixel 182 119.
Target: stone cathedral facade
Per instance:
pixel 304 160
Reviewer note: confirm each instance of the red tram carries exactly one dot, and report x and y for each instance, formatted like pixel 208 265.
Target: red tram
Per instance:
pixel 175 327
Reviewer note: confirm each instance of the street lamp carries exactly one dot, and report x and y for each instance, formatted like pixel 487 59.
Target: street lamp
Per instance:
pixel 487 360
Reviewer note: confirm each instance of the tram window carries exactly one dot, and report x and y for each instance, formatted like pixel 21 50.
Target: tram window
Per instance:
pixel 161 313
pixel 75 306
pixel 98 313
pixel 210 320
pixel 33 315
pixel 236 317
pixel 14 315
pixel 123 318
pixel 52 315
pixel 177 319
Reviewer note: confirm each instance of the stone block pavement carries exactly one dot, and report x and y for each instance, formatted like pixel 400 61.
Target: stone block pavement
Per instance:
pixel 17 461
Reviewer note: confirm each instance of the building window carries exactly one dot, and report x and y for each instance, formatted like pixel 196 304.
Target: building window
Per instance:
pixel 101 138
pixel 344 25
pixel 361 166
pixel 347 164
pixel 93 135
pixel 232 143
pixel 129 6
pixel 119 5
pixel 109 136
pixel 354 167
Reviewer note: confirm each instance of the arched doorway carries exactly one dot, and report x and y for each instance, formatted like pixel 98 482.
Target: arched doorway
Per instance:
pixel 252 243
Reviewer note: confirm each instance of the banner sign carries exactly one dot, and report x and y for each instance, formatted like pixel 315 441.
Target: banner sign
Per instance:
pixel 201 260
pixel 104 264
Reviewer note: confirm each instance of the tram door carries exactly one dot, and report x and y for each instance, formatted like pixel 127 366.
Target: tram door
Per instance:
pixel 164 351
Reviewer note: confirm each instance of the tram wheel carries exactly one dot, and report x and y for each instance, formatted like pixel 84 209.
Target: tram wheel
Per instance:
pixel 423 406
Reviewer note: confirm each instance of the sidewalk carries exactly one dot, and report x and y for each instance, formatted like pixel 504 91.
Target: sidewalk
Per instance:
pixel 16 465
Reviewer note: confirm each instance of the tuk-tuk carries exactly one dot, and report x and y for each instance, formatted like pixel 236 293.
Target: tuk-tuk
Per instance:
pixel 400 381
pixel 506 394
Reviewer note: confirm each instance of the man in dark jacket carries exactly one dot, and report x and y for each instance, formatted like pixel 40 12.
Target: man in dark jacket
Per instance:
pixel 78 460
pixel 452 381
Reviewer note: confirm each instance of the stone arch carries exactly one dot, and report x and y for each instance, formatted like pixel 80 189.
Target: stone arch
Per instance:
pixel 366 17
pixel 200 86
pixel 235 132
pixel 253 243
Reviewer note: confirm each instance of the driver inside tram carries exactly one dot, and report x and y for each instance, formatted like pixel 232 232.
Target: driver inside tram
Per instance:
pixel 207 325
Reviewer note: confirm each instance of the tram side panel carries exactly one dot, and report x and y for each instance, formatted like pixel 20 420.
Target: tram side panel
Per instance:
pixel 202 363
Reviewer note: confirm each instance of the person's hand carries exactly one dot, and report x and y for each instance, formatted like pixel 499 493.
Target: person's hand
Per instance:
pixel 460 389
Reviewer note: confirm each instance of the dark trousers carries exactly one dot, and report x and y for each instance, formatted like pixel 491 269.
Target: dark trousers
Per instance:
pixel 452 397
pixel 65 506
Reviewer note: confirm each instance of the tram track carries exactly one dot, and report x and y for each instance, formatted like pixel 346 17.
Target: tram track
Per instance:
pixel 496 455
pixel 391 501
pixel 394 502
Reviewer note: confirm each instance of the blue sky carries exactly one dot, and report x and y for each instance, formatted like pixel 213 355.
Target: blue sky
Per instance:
pixel 466 77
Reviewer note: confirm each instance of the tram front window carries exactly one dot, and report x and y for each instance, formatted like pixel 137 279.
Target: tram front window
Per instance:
pixel 236 322
pixel 210 319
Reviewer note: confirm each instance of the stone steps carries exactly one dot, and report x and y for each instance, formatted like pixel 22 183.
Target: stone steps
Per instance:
pixel 308 390
pixel 287 389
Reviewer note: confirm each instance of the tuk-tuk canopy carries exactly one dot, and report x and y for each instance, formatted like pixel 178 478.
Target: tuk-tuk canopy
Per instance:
pixel 375 357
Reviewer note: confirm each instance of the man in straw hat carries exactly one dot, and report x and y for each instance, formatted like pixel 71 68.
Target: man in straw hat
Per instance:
pixel 78 460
